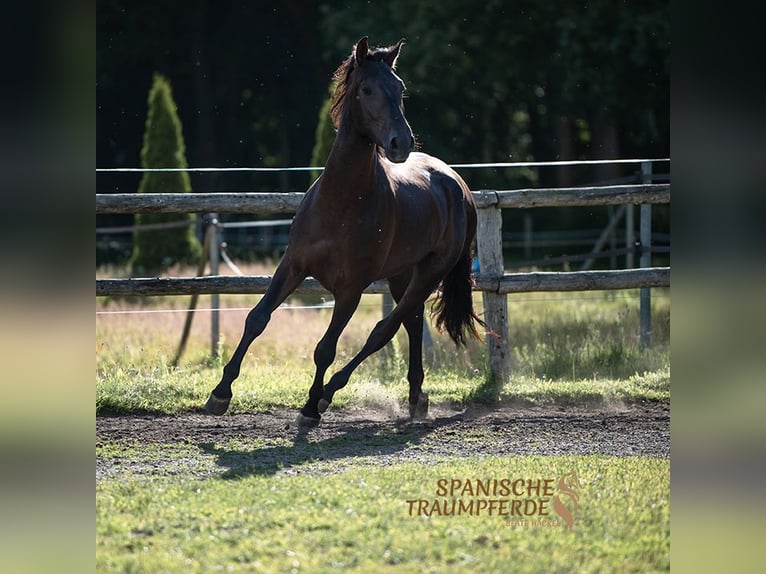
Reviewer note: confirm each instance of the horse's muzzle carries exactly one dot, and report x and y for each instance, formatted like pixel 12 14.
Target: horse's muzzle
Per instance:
pixel 399 148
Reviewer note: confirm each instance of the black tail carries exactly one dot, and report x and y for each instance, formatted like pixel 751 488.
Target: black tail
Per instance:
pixel 453 307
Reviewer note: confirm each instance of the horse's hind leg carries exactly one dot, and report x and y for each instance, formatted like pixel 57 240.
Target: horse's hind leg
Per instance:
pixel 418 399
pixel 413 324
pixel 425 279
pixel 284 282
pixel 324 354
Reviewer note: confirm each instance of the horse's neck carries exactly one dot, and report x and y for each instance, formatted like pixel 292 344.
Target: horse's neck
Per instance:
pixel 351 168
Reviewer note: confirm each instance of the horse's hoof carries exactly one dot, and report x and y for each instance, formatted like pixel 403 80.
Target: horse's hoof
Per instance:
pixel 216 406
pixel 306 422
pixel 322 405
pixel 420 409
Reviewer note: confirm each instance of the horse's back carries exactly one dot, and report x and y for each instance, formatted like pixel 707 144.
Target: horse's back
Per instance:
pixel 426 178
pixel 434 204
pixel 426 171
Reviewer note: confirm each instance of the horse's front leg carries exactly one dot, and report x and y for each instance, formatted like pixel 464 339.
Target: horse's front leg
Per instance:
pixel 324 354
pixel 285 281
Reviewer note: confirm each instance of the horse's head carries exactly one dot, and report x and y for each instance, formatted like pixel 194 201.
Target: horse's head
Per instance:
pixel 376 103
pixel 570 481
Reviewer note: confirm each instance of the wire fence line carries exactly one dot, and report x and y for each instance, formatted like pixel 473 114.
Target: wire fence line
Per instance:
pixel 145 227
pixel 178 224
pixel 331 304
pixel 489 165
pixel 327 305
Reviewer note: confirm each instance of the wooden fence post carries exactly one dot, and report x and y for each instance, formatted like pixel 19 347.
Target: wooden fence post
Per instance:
pixel 489 243
pixel 645 231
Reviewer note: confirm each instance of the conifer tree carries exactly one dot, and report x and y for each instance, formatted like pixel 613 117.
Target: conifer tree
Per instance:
pixel 324 137
pixel 155 250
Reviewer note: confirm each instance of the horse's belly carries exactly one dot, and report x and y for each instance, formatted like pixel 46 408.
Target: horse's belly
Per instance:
pixel 338 267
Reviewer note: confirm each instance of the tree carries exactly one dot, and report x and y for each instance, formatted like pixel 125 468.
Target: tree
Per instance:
pixel 325 136
pixel 547 72
pixel 155 250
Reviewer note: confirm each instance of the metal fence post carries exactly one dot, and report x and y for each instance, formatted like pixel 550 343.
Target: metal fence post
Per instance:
pixel 215 246
pixel 630 240
pixel 644 340
pixel 489 243
pixel 387 306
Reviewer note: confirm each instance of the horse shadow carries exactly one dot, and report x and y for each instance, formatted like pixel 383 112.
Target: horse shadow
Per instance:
pixel 367 439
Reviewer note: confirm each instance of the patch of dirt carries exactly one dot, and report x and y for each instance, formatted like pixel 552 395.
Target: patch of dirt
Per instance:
pixel 271 443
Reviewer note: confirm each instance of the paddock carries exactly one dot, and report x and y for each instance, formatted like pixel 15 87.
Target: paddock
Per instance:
pixel 492 280
pixel 251 491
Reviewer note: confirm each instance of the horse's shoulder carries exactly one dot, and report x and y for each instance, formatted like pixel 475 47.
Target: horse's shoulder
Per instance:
pixel 442 175
pixel 418 166
pixel 424 161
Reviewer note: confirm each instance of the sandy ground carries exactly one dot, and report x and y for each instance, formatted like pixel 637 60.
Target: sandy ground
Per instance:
pixel 270 442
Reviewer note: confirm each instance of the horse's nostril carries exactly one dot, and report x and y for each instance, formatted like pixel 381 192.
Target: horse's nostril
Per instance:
pixel 394 145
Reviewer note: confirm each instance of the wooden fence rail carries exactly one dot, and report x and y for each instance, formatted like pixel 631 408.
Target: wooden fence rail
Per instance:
pixel 272 203
pixel 494 283
pixel 508 283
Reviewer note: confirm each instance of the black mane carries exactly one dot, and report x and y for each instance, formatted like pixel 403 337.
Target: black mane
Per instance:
pixel 342 80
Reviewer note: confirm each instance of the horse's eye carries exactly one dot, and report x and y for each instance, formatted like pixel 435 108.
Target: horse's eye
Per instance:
pixel 366 90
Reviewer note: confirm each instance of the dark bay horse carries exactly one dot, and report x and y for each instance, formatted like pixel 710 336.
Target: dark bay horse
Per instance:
pixel 378 211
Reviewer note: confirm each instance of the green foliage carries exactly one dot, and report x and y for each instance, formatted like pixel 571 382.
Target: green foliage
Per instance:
pixel 354 518
pixel 155 250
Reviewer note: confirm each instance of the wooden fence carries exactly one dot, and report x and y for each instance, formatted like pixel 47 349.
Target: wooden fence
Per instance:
pixel 494 283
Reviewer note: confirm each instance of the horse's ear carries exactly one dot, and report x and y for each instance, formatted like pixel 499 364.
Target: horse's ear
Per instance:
pixel 393 53
pixel 360 51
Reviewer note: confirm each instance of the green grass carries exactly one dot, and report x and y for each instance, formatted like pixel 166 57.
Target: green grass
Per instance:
pixel 571 347
pixel 163 391
pixel 358 520
pixel 269 506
